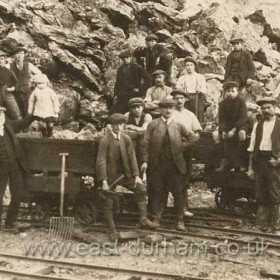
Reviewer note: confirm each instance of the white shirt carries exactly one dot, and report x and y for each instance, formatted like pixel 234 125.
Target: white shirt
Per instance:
pixel 192 83
pixel 2 130
pixel 265 144
pixel 116 136
pixel 167 122
pixel 157 93
pixel 187 119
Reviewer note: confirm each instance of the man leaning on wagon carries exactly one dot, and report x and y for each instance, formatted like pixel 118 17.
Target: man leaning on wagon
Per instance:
pixel 264 166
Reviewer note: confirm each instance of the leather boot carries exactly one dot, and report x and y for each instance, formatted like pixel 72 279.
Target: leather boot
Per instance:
pixel 275 220
pixel 262 218
pixel 144 221
pixel 223 166
pixel 180 225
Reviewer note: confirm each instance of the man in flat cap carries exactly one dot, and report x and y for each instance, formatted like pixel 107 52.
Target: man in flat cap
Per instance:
pixel 154 56
pixel 12 165
pixel 194 84
pixel 137 120
pixel 129 83
pixel 264 166
pixel 162 157
pixel 234 127
pixel 24 70
pixel 240 66
pixel 159 91
pixel 116 157
pixel 8 83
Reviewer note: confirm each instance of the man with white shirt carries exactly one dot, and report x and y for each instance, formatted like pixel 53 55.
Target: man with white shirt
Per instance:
pixel 264 166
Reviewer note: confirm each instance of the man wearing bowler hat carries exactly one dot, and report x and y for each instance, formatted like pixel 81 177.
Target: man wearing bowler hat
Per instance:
pixel 12 165
pixel 162 157
pixel 264 165
pixel 137 120
pixel 154 56
pixel 240 66
pixel 129 83
pixel 116 157
pixel 23 71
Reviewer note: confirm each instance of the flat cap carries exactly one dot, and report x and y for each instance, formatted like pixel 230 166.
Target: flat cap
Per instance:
pixel 149 106
pixel 126 53
pixel 151 37
pixel 2 109
pixel 116 118
pixel 19 49
pixel 236 40
pixel 230 84
pixel 191 59
pixel 166 102
pixel 2 53
pixel 179 91
pixel 159 72
pixel 267 99
pixel 135 102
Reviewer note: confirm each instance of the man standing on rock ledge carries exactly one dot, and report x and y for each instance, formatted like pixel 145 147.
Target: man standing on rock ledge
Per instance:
pixel 240 66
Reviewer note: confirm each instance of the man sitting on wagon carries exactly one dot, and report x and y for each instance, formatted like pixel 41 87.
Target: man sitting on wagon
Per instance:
pixel 137 120
pixel 116 157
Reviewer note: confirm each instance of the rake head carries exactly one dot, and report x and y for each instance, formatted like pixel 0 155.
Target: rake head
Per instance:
pixel 61 228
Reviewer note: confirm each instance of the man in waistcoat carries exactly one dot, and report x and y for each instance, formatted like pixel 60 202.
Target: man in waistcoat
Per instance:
pixel 162 157
pixel 12 165
pixel 23 71
pixel 264 166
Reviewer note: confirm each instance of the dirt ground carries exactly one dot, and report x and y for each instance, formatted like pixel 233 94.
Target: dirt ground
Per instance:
pixel 168 256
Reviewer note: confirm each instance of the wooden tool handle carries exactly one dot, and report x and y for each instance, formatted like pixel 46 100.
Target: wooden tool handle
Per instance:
pixel 62 185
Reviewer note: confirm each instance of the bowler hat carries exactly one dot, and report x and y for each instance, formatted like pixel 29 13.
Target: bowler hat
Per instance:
pixel 126 53
pixel 151 37
pixel 135 102
pixel 166 103
pixel 191 59
pixel 116 118
pixel 19 49
pixel 236 40
pixel 267 99
pixel 2 109
pixel 179 91
pixel 159 72
pixel 230 84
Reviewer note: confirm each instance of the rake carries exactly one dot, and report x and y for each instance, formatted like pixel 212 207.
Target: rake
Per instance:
pixel 61 228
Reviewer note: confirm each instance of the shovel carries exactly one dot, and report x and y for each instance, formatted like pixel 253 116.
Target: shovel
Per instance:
pixel 61 228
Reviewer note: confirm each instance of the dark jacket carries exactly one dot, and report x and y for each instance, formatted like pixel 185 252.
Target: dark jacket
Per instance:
pixel 153 140
pixel 247 67
pixel 23 76
pixel 104 168
pixel 275 138
pixel 232 113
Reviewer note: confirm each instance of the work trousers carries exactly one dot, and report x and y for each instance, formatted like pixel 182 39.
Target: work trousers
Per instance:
pixel 22 99
pixel 196 105
pixel 9 102
pixel 13 174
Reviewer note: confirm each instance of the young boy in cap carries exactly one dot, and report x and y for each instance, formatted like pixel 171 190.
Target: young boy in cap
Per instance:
pixel 137 120
pixel 129 83
pixel 23 71
pixel 234 127
pixel 240 66
pixel 159 91
pixel 154 56
pixel 8 83
pixel 116 157
pixel 194 84
pixel 264 166
pixel 162 157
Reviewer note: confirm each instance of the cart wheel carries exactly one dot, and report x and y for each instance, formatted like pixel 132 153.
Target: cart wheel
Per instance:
pixel 220 199
pixel 40 212
pixel 86 212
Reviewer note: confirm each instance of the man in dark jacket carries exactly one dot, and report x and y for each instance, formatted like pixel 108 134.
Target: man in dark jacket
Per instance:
pixel 240 66
pixel 12 164
pixel 116 157
pixel 162 157
pixel 233 127
pixel 264 166
pixel 154 57
pixel 129 83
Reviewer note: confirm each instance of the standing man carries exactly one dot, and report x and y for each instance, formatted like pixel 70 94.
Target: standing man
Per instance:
pixel 116 157
pixel 128 83
pixel 12 165
pixel 154 56
pixel 23 71
pixel 240 66
pixel 8 83
pixel 162 157
pixel 194 84
pixel 159 91
pixel 137 120
pixel 191 123
pixel 264 165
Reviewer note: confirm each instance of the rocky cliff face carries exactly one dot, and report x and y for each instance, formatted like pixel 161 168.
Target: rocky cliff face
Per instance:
pixel 76 43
